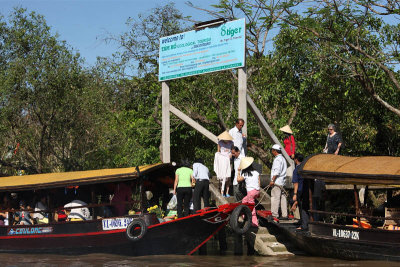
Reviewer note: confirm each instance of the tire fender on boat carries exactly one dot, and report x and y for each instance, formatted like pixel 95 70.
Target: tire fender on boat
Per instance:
pixel 135 234
pixel 240 220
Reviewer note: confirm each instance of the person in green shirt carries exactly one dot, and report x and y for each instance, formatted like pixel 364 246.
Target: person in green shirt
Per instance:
pixel 183 188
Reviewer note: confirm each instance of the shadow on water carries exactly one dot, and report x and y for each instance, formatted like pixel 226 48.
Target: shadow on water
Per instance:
pixel 105 260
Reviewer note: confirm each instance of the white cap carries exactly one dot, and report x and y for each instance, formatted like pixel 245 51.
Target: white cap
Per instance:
pixel 277 147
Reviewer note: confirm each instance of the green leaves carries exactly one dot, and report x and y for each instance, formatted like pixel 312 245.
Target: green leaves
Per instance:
pixel 323 66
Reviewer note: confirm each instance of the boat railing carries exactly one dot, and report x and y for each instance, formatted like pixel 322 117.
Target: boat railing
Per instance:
pixel 73 207
pixel 354 215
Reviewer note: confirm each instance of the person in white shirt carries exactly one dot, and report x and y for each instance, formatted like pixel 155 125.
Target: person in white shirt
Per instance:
pixel 202 176
pixel 237 157
pixel 239 139
pixel 222 162
pixel 278 179
pixel 41 217
pixel 248 174
pixel 75 212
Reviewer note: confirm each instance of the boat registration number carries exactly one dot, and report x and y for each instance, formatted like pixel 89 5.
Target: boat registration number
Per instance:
pixel 348 234
pixel 116 223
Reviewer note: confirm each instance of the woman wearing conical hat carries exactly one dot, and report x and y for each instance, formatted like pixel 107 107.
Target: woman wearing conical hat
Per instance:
pixel 289 143
pixel 222 162
pixel 251 177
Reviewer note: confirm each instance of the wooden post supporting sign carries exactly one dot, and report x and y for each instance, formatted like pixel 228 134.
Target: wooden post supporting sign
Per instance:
pixel 242 93
pixel 165 140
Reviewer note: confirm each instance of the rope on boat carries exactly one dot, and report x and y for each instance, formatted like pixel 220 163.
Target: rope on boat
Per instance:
pixel 266 191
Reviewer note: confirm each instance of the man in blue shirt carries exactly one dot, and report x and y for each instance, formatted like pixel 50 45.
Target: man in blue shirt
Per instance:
pixel 301 193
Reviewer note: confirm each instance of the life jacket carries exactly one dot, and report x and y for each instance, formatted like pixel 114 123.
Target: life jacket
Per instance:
pixel 393 227
pixel 361 224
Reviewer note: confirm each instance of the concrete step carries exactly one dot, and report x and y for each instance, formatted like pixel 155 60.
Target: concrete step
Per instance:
pixel 278 247
pixel 265 243
pixel 215 194
pixel 267 238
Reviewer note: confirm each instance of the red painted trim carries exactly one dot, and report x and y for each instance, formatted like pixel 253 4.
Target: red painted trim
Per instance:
pixel 208 238
pixel 199 213
pixel 225 208
pixel 64 235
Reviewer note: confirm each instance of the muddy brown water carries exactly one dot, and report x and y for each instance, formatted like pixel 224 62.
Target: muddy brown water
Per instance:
pixel 106 260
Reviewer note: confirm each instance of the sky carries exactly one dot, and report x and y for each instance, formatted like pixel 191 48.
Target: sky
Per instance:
pixel 83 24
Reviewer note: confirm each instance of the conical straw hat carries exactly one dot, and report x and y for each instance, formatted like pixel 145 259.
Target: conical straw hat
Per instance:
pixel 286 129
pixel 246 162
pixel 225 136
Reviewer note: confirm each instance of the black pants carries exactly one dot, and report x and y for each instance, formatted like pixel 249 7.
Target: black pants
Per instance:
pixel 183 196
pixel 201 190
pixel 304 215
pixel 304 206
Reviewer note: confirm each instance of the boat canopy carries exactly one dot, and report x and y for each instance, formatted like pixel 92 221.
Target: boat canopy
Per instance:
pixel 379 170
pixel 64 179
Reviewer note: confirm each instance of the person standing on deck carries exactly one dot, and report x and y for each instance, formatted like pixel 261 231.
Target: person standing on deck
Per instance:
pixel 183 189
pixel 237 157
pixel 301 194
pixel 278 179
pixel 290 144
pixel 239 139
pixel 222 162
pixel 333 141
pixel 202 176
pixel 248 174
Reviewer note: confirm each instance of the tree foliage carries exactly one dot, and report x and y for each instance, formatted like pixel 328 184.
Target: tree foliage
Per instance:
pixel 48 104
pixel 308 64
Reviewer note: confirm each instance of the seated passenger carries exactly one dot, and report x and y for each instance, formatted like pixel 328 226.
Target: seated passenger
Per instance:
pixel 77 213
pixel 171 213
pixel 60 216
pixel 122 194
pixel 23 217
pixel 4 215
pixel 41 217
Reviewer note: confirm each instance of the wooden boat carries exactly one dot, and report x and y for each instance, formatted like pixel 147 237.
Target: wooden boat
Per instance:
pixel 128 235
pixel 353 242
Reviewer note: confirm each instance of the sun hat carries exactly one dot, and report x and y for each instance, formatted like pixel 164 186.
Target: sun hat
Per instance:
pixel 225 136
pixel 286 129
pixel 246 162
pixel 277 147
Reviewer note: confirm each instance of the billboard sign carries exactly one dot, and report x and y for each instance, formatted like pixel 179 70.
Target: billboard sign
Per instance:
pixel 203 51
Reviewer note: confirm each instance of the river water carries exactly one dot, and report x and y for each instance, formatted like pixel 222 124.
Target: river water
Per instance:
pixel 106 260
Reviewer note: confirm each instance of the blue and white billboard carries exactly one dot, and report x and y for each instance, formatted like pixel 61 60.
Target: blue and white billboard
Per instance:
pixel 207 50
